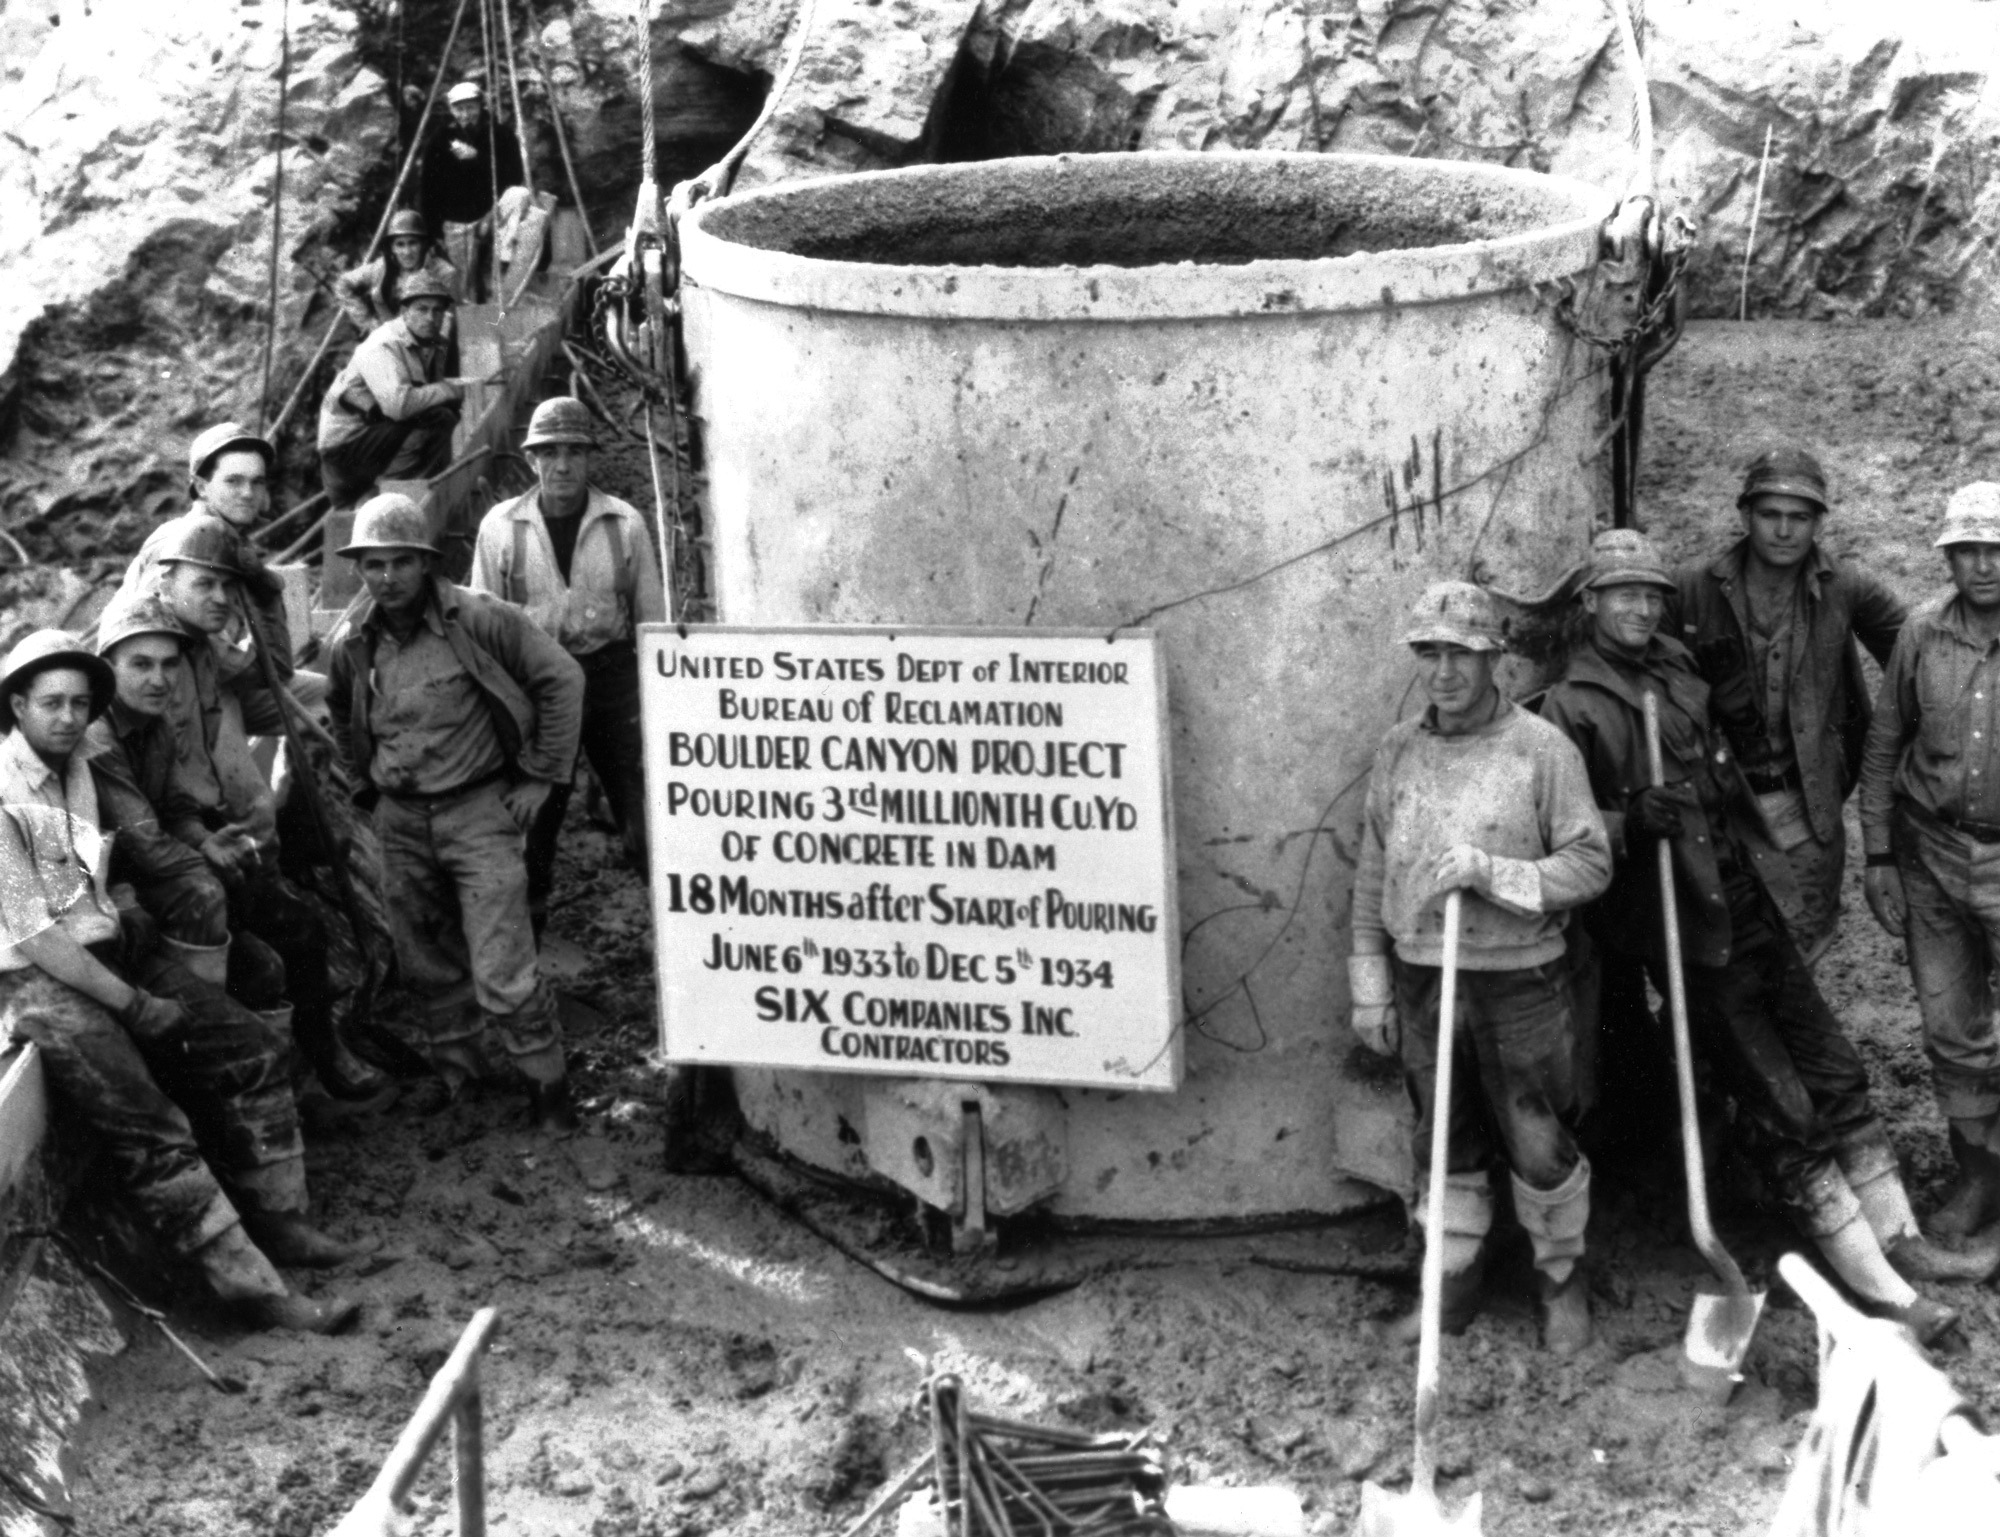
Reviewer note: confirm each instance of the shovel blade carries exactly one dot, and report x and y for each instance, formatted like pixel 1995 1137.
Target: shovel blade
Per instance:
pixel 1384 1513
pixel 1720 1326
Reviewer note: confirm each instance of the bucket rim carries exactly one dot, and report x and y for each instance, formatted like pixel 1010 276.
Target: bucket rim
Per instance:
pixel 1277 287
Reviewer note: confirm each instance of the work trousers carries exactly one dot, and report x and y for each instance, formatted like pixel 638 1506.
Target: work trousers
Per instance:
pixel 613 743
pixel 456 890
pixel 415 448
pixel 1514 1069
pixel 170 1115
pixel 268 908
pixel 1817 866
pixel 1803 1105
pixel 1952 887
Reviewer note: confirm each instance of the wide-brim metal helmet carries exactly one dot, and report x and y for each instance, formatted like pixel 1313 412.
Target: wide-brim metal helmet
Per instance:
pixel 1784 471
pixel 221 439
pixel 407 221
pixel 136 614
pixel 465 90
pixel 390 521
pixel 45 649
pixel 202 539
pixel 564 419
pixel 1457 614
pixel 1624 557
pixel 1972 516
pixel 423 285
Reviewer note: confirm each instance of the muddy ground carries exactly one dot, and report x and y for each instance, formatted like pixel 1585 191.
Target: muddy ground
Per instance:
pixel 677 1358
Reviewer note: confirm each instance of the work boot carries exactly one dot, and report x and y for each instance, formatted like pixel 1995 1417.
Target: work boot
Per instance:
pixel 1918 1259
pixel 1462 1296
pixel 240 1275
pixel 434 1096
pixel 288 1239
pixel 550 1109
pixel 1926 1320
pixel 1565 1311
pixel 1973 1200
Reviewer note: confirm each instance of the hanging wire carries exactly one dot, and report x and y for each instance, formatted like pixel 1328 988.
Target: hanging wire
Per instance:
pixel 277 210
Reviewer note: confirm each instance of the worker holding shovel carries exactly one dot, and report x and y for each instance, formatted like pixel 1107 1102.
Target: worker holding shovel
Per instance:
pixel 1803 1105
pixel 1480 801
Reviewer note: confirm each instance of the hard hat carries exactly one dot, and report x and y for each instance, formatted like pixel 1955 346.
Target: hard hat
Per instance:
pixel 562 420
pixel 1785 471
pixel 39 652
pixel 423 285
pixel 465 90
pixel 390 521
pixel 1972 516
pixel 1622 557
pixel 408 221
pixel 1457 614
pixel 219 440
pixel 136 614
pixel 202 539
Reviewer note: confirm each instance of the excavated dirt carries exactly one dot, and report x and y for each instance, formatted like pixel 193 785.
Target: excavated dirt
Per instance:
pixel 677 1358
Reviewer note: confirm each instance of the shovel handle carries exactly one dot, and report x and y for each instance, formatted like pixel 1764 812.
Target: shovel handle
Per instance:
pixel 1699 1222
pixel 1423 1461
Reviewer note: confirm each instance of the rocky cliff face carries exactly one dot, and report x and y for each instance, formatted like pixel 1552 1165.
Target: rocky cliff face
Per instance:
pixel 137 155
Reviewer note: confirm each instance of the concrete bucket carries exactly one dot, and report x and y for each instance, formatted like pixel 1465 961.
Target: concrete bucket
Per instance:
pixel 1253 402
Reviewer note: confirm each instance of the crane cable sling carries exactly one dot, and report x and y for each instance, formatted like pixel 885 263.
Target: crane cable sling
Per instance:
pixel 382 225
pixel 277 207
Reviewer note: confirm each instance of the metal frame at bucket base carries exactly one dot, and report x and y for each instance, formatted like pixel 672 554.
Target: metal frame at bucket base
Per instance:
pixel 453 1395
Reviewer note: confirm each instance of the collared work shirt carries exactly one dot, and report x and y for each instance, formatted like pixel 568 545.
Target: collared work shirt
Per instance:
pixel 433 730
pixel 1937 726
pixel 613 584
pixel 131 760
pixel 53 856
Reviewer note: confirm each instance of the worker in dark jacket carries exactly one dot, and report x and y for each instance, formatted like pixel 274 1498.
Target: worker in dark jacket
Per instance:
pixel 470 169
pixel 460 716
pixel 1772 624
pixel 1805 1111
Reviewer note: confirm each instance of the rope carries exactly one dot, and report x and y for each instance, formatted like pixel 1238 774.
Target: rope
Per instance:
pixel 1642 96
pixel 277 207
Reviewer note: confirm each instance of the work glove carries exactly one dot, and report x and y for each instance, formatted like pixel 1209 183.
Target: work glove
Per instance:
pixel 149 1018
pixel 1373 996
pixel 1462 865
pixel 1883 886
pixel 1655 812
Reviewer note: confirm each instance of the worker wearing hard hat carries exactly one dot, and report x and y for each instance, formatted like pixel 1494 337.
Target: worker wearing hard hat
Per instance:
pixel 1772 625
pixel 1804 1108
pixel 1479 794
pixel 371 294
pixel 461 717
pixel 1930 823
pixel 391 411
pixel 471 172
pixel 121 1025
pixel 581 563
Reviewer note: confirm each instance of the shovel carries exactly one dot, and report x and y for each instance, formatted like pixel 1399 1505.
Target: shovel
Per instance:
pixel 1418 1513
pixel 1720 1323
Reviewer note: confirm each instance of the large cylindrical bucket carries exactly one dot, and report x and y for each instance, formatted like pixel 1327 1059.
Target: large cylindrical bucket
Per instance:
pixel 1252 402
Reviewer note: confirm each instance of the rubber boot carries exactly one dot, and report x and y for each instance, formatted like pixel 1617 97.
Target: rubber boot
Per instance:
pixel 240 1275
pixel 1885 1204
pixel 1856 1257
pixel 1468 1217
pixel 1555 1221
pixel 288 1239
pixel 550 1109
pixel 1974 1200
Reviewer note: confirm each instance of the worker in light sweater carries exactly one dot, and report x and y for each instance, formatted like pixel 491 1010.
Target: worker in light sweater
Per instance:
pixel 1478 794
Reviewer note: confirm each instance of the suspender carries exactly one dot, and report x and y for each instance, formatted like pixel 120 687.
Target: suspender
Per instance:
pixel 624 580
pixel 517 567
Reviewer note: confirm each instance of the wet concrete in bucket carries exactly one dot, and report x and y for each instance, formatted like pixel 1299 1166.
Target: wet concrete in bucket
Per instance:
pixel 1136 211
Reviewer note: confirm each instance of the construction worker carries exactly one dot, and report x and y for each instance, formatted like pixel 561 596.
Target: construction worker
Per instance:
pixel 370 294
pixel 233 817
pixel 1802 1095
pixel 581 563
pixel 469 169
pixel 461 717
pixel 392 409
pixel 1771 624
pixel 121 1027
pixel 1478 794
pixel 1930 826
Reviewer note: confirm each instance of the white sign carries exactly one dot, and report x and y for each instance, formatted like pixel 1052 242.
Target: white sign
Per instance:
pixel 916 853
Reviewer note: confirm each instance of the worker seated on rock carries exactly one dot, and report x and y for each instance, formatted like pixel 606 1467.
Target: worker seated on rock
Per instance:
pixel 581 563
pixel 229 475
pixel 391 411
pixel 473 181
pixel 460 717
pixel 1772 624
pixel 1480 795
pixel 178 1084
pixel 231 814
pixel 1930 824
pixel 371 294
pixel 1804 1109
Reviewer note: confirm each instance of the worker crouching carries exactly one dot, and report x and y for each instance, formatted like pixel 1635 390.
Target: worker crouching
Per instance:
pixel 459 715
pixel 1480 795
